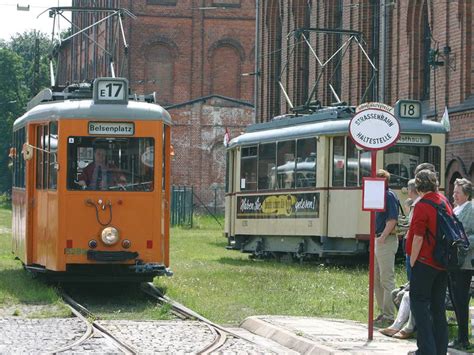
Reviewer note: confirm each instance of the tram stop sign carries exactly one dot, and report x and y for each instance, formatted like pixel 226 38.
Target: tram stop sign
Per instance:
pixel 374 129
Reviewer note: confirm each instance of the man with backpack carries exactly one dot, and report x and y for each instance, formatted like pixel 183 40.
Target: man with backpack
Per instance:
pixel 429 278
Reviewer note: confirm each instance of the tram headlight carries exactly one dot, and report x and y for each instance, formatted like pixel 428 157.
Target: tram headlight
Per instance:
pixel 110 235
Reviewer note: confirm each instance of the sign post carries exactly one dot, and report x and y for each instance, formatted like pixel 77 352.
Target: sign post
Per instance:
pixel 373 128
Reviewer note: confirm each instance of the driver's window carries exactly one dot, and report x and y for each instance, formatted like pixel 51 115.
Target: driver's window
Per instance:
pixel 122 164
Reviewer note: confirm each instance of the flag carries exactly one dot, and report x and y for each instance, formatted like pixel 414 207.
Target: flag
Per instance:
pixel 226 137
pixel 445 119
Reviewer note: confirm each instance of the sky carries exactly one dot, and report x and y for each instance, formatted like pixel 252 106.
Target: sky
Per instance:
pixel 13 21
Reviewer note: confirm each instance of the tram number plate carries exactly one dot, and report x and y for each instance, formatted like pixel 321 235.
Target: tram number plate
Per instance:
pixel 111 90
pixel 75 251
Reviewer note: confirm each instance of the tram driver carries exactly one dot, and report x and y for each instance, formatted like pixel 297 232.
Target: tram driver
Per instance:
pixel 99 175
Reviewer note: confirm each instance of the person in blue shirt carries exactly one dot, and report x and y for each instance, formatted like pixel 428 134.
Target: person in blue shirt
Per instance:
pixel 386 246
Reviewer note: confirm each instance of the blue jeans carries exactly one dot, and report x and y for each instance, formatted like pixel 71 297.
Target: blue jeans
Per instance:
pixel 427 302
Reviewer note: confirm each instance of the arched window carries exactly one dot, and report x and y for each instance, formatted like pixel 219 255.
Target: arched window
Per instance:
pixel 301 12
pixel 420 35
pixel 273 70
pixel 159 72
pixel 225 71
pixel 466 9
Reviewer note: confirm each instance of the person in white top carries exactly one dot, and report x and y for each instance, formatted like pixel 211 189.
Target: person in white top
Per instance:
pixel 460 280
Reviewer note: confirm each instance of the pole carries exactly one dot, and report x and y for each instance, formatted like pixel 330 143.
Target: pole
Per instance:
pixel 373 163
pixel 382 42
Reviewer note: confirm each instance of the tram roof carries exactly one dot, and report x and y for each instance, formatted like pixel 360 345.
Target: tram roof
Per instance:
pixel 87 109
pixel 333 121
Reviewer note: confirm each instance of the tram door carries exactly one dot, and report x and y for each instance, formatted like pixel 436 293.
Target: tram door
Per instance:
pixel 165 192
pixel 348 165
pixel 40 194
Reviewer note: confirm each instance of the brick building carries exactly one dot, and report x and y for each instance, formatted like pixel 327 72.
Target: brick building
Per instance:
pixel 192 54
pixel 423 50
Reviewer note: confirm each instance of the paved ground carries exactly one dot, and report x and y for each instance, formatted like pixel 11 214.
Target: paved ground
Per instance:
pixel 261 335
pixel 326 336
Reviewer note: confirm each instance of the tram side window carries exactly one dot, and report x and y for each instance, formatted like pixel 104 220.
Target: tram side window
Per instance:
pixel 18 161
pixel 338 161
pixel 164 173
pixel 400 161
pixel 306 163
pixel 110 163
pixel 53 155
pixel 229 161
pixel 285 166
pixel 352 164
pixel 14 159
pixel 248 168
pixel 365 164
pixel 266 166
pixel 42 137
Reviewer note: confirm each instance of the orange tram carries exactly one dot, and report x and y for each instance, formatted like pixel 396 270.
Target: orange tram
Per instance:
pixel 91 184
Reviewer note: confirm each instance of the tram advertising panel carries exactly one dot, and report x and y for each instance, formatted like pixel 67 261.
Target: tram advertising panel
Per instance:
pixel 293 205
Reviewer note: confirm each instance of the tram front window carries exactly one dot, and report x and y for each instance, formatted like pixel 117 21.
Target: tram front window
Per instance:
pixel 400 161
pixel 121 164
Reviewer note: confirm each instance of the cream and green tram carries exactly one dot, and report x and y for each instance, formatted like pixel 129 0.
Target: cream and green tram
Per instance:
pixel 294 185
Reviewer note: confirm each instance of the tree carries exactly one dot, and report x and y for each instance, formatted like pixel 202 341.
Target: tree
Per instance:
pixel 13 98
pixel 24 70
pixel 35 48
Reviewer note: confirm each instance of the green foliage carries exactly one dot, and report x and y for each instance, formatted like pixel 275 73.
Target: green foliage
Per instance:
pixel 34 47
pixel 21 76
pixel 13 95
pixel 226 286
pixel 16 285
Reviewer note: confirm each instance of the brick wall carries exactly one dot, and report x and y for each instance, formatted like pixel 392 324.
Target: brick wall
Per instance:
pixel 197 138
pixel 183 50
pixel 448 26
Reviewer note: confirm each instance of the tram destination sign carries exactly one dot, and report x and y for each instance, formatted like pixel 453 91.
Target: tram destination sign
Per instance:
pixel 374 129
pixel 111 128
pixel 299 205
pixel 110 91
pixel 414 139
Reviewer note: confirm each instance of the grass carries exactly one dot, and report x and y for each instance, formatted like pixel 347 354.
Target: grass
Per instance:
pixel 226 286
pixel 17 287
pixel 223 285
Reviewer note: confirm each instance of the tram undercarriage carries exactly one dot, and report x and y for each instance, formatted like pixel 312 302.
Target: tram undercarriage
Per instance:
pixel 108 273
pixel 298 247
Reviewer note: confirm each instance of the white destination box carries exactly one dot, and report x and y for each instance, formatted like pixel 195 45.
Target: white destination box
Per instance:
pixel 112 128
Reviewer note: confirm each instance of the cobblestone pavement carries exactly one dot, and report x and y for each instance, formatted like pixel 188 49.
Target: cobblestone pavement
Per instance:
pixel 42 336
pixel 27 336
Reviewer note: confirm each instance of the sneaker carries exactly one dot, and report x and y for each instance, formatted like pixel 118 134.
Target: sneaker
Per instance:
pixel 459 345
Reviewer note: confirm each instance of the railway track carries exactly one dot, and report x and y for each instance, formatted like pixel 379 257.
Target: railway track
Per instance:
pixel 220 337
pixel 92 326
pixel 221 334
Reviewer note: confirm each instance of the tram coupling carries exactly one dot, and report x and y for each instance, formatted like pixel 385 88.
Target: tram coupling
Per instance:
pixel 154 268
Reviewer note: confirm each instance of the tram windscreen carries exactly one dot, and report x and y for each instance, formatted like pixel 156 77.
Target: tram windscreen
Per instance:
pixel 121 164
pixel 400 161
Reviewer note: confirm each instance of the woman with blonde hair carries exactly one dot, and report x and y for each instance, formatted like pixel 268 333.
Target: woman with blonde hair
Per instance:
pixel 460 280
